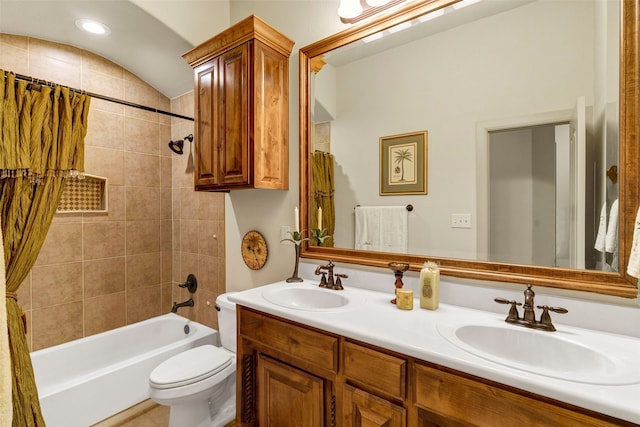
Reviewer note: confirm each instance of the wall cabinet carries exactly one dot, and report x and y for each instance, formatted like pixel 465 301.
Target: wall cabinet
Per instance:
pixel 242 108
pixel 292 375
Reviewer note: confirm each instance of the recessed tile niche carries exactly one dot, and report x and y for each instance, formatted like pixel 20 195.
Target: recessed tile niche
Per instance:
pixel 84 194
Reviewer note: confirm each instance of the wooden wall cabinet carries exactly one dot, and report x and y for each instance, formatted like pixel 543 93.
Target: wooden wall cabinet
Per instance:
pixel 242 108
pixel 292 375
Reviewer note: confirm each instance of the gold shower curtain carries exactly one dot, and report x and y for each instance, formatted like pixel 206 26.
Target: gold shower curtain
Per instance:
pixel 42 132
pixel 322 189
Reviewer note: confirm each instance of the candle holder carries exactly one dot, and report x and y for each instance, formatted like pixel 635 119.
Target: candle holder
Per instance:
pixel 318 236
pixel 296 239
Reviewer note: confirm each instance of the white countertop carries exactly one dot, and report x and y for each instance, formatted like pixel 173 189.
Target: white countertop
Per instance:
pixel 372 319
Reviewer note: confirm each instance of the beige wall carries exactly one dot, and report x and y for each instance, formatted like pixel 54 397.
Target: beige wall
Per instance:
pixel 101 271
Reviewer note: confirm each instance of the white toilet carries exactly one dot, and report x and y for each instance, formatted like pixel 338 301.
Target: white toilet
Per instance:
pixel 200 384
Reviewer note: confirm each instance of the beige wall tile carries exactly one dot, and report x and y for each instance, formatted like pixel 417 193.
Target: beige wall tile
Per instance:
pixel 62 245
pixel 139 92
pixel 166 204
pixel 182 176
pixel 95 63
pixel 144 270
pixel 189 204
pixel 163 141
pixel 207 273
pixel 142 170
pixel 104 85
pixel 189 235
pixel 142 203
pixel 56 284
pixel 115 207
pixel 208 237
pixel 104 313
pixel 142 135
pixel 104 276
pixel 188 265
pixel 166 172
pixel 103 239
pixel 57 70
pixel 167 267
pixel 206 313
pixel 105 162
pixel 108 106
pixel 166 298
pixel 56 324
pixel 143 237
pixel 46 49
pixel 15 40
pixel 166 233
pixel 143 303
pixel 13 58
pixel 105 129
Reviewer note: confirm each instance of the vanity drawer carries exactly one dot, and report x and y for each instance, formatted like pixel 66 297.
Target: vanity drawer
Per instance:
pixel 377 371
pixel 441 396
pixel 295 341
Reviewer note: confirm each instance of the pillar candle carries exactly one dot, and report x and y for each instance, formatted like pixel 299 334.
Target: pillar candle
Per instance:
pixel 319 218
pixel 296 220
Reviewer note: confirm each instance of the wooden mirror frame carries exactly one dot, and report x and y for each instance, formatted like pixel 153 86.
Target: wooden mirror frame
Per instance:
pixel 617 284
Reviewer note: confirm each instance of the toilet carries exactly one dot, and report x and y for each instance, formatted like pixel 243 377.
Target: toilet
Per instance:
pixel 199 385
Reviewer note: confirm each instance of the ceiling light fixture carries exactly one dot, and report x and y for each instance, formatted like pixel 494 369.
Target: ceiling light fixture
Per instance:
pixel 93 27
pixel 349 9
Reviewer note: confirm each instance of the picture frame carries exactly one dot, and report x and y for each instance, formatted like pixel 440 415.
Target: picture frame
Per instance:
pixel 403 164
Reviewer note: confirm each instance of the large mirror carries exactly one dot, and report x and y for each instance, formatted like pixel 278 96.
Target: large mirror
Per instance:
pixel 520 116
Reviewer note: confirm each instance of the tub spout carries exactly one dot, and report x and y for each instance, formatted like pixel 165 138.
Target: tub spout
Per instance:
pixel 176 306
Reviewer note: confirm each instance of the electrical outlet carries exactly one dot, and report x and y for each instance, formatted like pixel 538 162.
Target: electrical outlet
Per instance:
pixel 284 232
pixel 460 220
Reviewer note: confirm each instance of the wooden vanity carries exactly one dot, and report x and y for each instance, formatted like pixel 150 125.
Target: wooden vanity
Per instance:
pixel 293 375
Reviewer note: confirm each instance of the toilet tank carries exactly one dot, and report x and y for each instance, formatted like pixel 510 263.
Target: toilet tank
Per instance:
pixel 227 321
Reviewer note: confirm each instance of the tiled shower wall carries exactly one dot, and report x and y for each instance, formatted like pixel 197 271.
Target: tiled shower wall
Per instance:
pixel 101 271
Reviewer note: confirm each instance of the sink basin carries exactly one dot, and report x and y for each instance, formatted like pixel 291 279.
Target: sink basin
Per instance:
pixel 307 298
pixel 597 360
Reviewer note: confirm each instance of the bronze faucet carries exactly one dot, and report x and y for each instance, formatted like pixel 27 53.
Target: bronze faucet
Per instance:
pixel 330 283
pixel 529 317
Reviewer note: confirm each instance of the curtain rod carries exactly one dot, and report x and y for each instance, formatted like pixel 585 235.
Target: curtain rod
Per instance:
pixel 98 96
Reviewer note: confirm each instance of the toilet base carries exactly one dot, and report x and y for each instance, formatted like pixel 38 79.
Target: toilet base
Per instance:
pixel 198 414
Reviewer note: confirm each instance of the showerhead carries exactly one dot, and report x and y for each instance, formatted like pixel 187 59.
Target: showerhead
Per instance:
pixel 177 146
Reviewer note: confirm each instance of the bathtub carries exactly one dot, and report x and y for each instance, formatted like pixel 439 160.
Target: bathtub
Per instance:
pixel 87 380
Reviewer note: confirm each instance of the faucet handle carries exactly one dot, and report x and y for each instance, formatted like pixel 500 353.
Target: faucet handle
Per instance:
pixel 545 318
pixel 513 311
pixel 560 310
pixel 338 284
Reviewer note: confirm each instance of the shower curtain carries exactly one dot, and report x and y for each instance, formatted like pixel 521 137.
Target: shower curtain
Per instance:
pixel 42 132
pixel 322 189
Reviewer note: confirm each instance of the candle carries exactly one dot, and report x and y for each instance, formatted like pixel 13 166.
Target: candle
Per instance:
pixel 296 219
pixel 319 218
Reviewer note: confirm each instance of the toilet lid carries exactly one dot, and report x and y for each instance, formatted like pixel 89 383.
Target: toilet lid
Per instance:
pixel 190 366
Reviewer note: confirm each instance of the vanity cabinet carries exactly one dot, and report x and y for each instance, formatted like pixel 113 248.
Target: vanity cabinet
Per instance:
pixel 293 375
pixel 242 108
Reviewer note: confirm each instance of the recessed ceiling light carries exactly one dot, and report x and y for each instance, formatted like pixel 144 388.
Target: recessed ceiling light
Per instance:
pixel 93 27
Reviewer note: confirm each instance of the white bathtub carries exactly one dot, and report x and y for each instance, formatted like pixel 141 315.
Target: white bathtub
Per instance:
pixel 87 380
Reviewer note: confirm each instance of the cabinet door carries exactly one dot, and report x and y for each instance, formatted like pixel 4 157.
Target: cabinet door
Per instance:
pixel 288 397
pixel 233 117
pixel 206 104
pixel 362 409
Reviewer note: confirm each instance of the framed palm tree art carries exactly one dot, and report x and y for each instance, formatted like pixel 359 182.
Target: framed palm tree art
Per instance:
pixel 403 164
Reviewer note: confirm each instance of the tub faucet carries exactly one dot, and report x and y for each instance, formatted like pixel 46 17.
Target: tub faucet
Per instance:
pixel 176 306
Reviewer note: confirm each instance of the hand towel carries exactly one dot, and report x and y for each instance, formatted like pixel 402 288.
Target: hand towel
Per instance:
pixel 381 228
pixel 611 239
pixel 602 229
pixel 633 267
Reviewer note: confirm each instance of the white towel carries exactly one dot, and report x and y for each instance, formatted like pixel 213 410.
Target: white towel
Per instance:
pixel 633 267
pixel 611 239
pixel 381 228
pixel 607 237
pixel 602 229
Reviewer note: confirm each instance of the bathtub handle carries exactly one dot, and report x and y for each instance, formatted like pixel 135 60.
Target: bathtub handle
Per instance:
pixel 191 284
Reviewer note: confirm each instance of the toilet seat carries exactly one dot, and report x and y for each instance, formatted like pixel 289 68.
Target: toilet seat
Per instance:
pixel 190 367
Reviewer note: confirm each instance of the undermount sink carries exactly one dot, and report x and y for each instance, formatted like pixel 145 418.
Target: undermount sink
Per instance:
pixel 593 358
pixel 307 298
